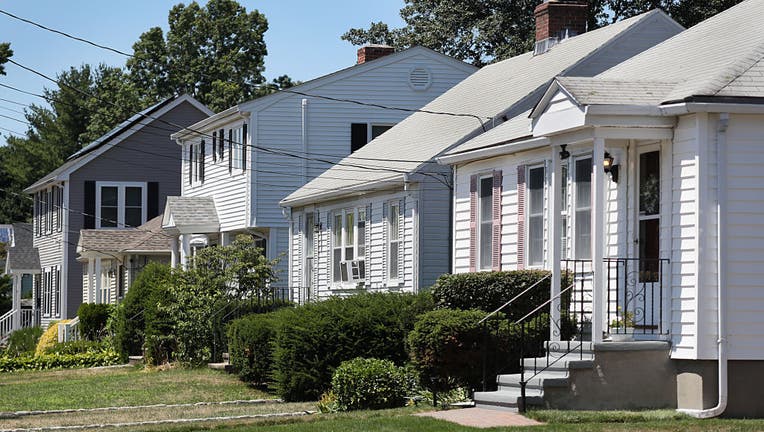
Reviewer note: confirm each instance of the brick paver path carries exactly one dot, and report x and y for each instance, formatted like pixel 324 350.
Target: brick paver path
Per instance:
pixel 481 417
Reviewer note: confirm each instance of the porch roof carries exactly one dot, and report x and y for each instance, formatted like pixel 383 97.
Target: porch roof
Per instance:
pixel 190 214
pixel 147 238
pixel 22 255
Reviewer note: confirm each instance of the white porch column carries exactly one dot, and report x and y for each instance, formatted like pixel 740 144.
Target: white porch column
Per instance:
pixel 16 291
pixel 554 248
pixel 174 252
pixel 185 250
pixel 598 239
pixel 91 281
pixel 98 280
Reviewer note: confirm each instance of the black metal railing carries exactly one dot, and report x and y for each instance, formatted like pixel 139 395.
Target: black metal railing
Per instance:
pixel 635 295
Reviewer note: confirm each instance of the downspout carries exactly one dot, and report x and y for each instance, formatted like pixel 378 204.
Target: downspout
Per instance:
pixel 721 271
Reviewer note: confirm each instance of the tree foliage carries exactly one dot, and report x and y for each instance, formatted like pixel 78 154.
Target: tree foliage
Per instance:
pixel 213 52
pixel 483 31
pixel 5 53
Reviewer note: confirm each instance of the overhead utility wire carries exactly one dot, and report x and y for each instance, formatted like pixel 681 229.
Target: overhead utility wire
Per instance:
pixel 180 127
pixel 114 50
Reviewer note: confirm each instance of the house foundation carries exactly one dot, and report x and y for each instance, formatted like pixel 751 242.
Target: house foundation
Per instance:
pixel 697 386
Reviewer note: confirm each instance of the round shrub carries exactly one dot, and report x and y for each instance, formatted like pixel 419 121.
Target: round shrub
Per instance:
pixel 368 383
pixel 93 318
pixel 250 345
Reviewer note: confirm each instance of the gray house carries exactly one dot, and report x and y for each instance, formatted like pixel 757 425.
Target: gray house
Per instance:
pixel 118 181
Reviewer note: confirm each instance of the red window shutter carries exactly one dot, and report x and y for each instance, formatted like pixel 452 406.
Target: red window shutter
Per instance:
pixel 496 226
pixel 473 222
pixel 521 217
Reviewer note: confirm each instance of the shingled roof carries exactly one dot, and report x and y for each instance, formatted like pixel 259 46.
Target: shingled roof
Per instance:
pixel 147 238
pixel 22 255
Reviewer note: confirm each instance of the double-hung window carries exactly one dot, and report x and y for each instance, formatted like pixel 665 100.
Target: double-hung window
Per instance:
pixel 535 216
pixel 582 207
pixel 485 217
pixel 349 245
pixel 196 162
pixel 237 148
pixel 394 243
pixel 120 205
pixel 362 133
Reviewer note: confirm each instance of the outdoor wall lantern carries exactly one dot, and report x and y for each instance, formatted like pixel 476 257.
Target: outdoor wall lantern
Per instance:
pixel 610 167
pixel 564 154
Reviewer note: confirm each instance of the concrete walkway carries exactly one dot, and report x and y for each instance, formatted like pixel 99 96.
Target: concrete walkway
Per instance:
pixel 481 417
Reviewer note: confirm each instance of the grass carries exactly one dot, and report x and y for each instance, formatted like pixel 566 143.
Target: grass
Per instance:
pixel 93 388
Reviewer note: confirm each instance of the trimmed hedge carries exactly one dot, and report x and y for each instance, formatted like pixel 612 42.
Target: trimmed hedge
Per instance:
pixel 488 291
pixel 370 384
pixel 54 361
pixel 93 318
pixel 313 340
pixel 250 345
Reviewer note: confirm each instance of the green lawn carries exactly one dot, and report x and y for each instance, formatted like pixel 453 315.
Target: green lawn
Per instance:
pixel 91 388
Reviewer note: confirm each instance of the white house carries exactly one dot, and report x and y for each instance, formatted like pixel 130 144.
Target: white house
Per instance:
pixel 645 181
pixel 240 162
pixel 380 219
pixel 118 181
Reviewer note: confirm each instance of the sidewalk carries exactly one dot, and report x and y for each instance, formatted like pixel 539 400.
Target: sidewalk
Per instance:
pixel 481 417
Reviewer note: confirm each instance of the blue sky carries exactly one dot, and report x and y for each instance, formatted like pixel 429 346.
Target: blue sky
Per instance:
pixel 303 38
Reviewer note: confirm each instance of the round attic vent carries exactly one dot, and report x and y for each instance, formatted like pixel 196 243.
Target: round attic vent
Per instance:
pixel 420 78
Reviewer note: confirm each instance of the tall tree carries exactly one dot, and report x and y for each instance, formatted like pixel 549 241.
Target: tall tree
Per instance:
pixel 214 53
pixel 483 31
pixel 5 54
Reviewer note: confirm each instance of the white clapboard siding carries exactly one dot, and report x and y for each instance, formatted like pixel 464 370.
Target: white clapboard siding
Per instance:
pixel 745 237
pixel 684 254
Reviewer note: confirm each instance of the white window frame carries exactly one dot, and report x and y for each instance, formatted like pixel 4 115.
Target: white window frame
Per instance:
pixel 573 203
pixel 194 170
pixel 237 149
pixel 344 212
pixel 479 251
pixel 120 201
pixel 528 204
pixel 394 204
pixel 370 126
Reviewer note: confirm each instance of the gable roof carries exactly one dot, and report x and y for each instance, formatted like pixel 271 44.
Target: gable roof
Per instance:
pixel 510 86
pixel 114 136
pixel 22 255
pixel 721 56
pixel 245 108
pixel 188 213
pixel 147 238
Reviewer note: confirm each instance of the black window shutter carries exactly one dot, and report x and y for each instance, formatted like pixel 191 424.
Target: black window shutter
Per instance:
pixel 90 204
pixel 152 196
pixel 358 136
pixel 230 150
pixel 221 137
pixel 214 147
pixel 190 163
pixel 244 148
pixel 202 154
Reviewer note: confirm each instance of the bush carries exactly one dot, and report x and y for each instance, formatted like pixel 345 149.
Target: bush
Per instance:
pixel 449 345
pixel 49 338
pixel 370 384
pixel 93 318
pixel 250 345
pixel 488 291
pixel 130 318
pixel 312 340
pixel 80 347
pixel 23 341
pixel 53 361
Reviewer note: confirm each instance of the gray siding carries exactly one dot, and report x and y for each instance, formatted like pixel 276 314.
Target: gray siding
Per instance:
pixel 128 162
pixel 435 233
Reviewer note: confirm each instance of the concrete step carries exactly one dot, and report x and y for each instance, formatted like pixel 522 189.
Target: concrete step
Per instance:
pixel 135 360
pixel 221 366
pixel 553 378
pixel 565 346
pixel 559 363
pixel 507 399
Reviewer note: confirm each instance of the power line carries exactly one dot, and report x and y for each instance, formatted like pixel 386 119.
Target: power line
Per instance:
pixel 13 110
pixel 15 119
pixel 13 102
pixel 12 131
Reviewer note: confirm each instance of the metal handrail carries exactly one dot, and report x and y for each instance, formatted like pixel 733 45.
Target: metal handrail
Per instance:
pixel 544 304
pixel 515 298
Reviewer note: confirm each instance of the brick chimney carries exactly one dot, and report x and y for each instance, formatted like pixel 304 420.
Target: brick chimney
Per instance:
pixel 557 20
pixel 372 52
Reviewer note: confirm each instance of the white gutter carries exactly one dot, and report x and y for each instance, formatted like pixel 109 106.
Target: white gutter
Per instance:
pixel 721 273
pixel 691 107
pixel 499 150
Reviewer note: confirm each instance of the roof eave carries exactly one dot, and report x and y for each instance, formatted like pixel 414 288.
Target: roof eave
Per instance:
pixel 211 122
pixel 498 149
pixel 342 192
